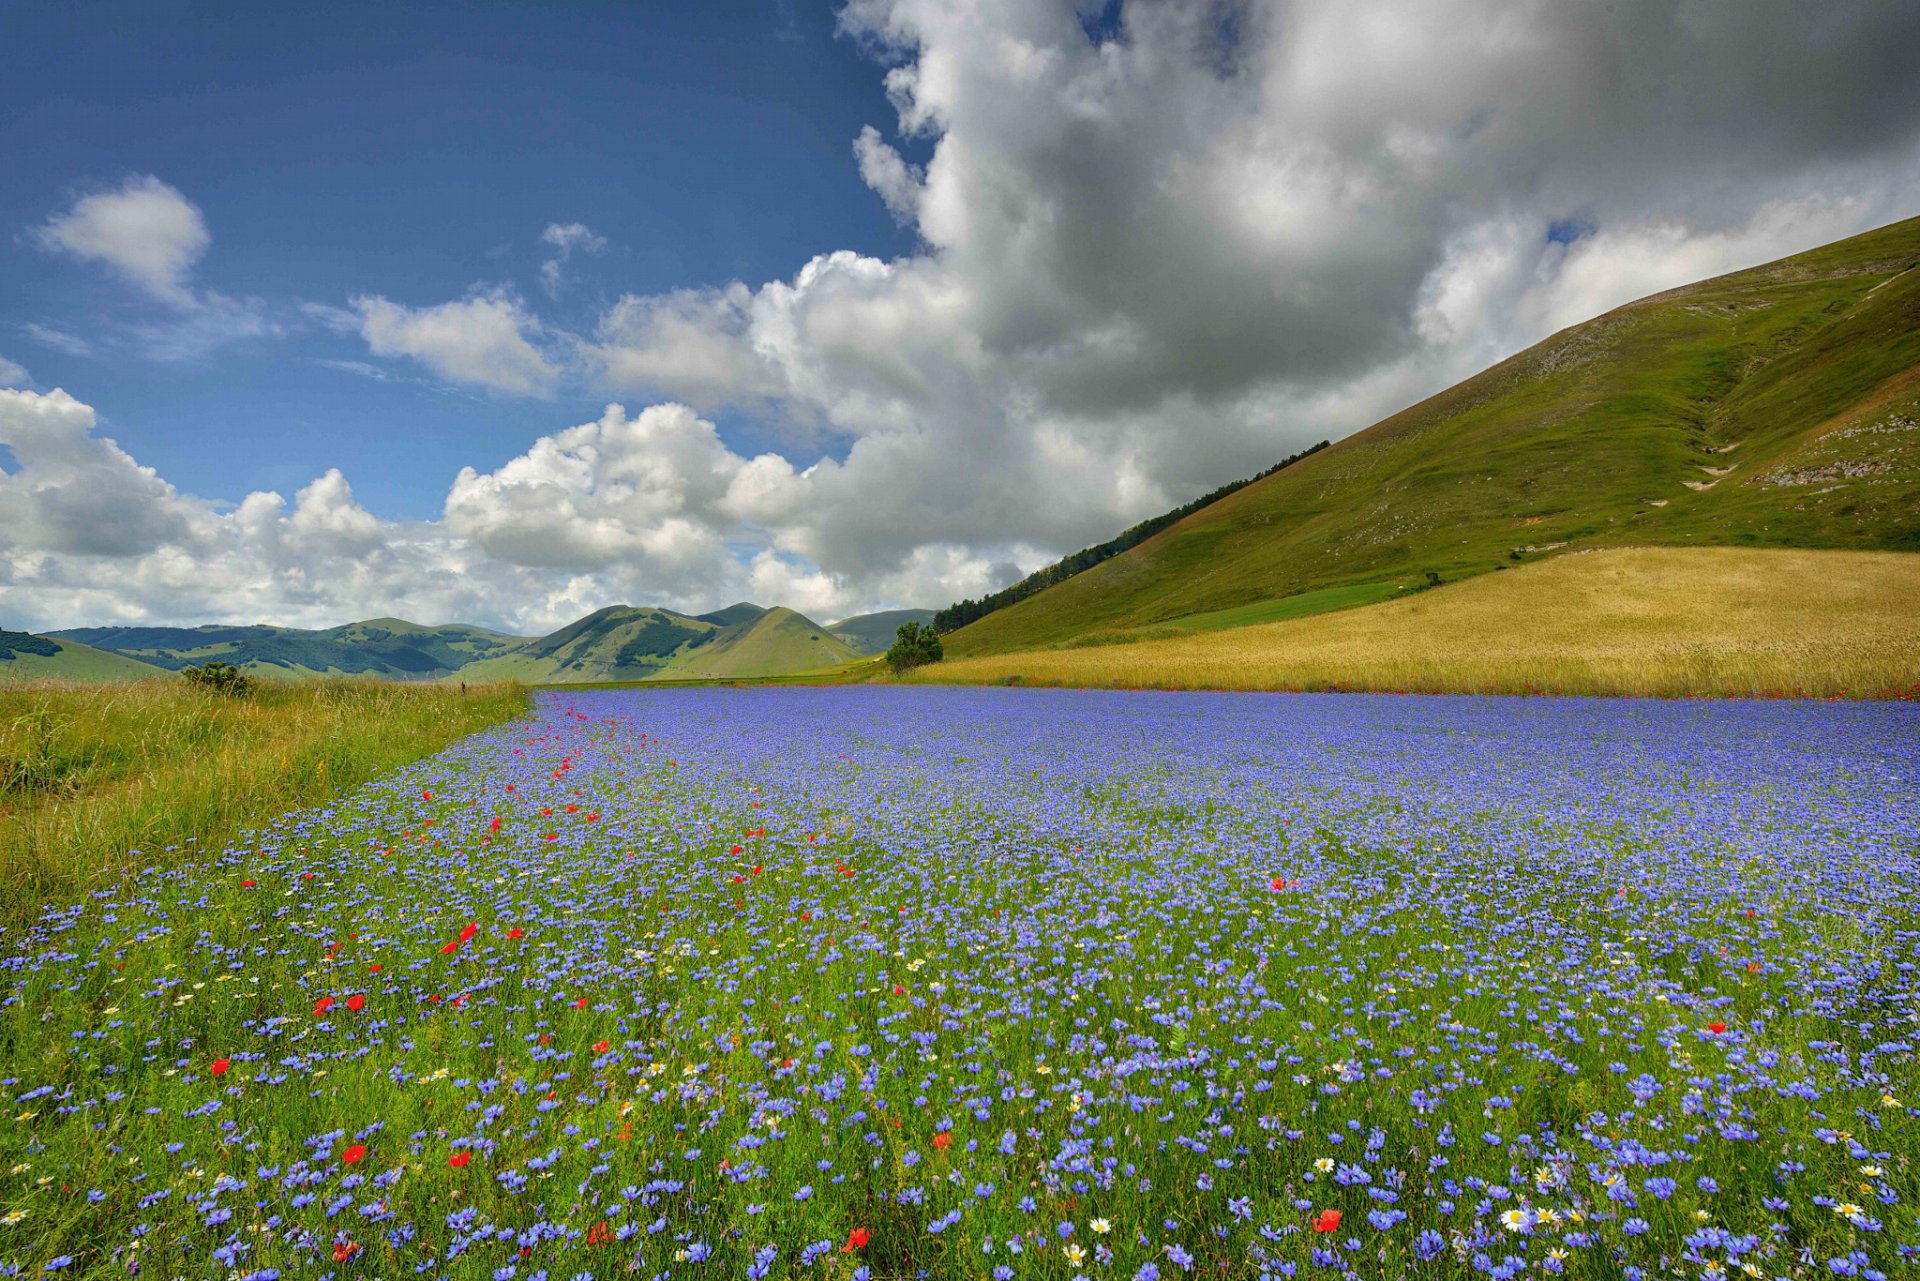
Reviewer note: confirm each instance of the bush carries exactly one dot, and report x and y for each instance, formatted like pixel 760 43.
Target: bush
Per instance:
pixel 914 645
pixel 220 678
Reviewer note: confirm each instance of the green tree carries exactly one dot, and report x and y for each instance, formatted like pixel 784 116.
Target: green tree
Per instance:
pixel 914 645
pixel 220 678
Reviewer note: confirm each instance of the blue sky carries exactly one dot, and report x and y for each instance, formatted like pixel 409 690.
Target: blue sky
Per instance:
pixel 411 151
pixel 501 313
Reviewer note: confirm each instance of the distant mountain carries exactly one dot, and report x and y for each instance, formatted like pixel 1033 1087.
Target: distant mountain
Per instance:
pixel 26 657
pixel 618 643
pixel 779 642
pixel 873 633
pixel 1773 407
pixel 383 647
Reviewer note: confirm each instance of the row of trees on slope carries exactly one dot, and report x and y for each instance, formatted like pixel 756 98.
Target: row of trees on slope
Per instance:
pixel 958 615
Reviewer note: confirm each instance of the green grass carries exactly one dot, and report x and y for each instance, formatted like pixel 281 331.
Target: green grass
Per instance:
pixel 97 780
pixel 1774 407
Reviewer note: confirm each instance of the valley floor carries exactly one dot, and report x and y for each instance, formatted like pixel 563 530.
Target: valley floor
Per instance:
pixel 1662 621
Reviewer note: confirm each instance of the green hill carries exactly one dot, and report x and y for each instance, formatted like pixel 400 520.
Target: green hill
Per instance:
pixel 1773 407
pixel 618 643
pixel 873 633
pixel 777 643
pixel 380 647
pixel 25 657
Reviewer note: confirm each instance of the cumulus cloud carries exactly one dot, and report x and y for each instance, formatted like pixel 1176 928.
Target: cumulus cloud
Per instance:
pixel 154 237
pixel 484 340
pixel 1164 250
pixel 146 231
pixel 566 239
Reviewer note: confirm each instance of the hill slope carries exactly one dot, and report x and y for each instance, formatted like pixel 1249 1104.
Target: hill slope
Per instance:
pixel 1647 620
pixel 1778 406
pixel 382 647
pixel 618 643
pixel 874 633
pixel 777 643
pixel 25 657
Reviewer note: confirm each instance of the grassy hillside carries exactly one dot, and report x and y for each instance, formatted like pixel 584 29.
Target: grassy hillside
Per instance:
pixel 873 633
pixel 1663 621
pixel 96 780
pixel 1778 406
pixel 383 647
pixel 24 657
pixel 777 642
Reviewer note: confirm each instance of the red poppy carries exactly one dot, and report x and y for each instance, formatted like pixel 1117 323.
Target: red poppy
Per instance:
pixel 373 969
pixel 856 1240
pixel 451 946
pixel 459 1160
pixel 322 1005
pixel 806 916
pixel 354 1154
pixel 494 826
pixel 306 876
pixel 1327 1221
pixel 601 1047
pixel 219 1066
pixel 1279 882
pixel 247 884
pixel 944 1139
pixel 344 1250
pixel 738 849
pixel 593 816
pixel 1716 1027
pixel 468 930
pixel 426 795
pixel 580 1004
pixel 515 932
pixel 898 990
pixel 357 1002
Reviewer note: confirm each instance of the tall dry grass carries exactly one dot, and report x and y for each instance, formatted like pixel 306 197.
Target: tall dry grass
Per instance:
pixel 98 780
pixel 1643 621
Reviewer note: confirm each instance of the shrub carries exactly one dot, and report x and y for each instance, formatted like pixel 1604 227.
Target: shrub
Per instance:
pixel 914 645
pixel 220 678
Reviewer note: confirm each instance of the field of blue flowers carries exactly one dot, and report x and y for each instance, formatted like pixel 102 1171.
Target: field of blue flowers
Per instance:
pixel 920 982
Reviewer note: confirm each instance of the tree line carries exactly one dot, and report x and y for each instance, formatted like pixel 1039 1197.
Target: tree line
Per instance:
pixel 963 612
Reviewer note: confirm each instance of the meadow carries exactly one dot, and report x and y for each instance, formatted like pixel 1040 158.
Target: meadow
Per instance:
pixel 1654 621
pixel 100 779
pixel 883 982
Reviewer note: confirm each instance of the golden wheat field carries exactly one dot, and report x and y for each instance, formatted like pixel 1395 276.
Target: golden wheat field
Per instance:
pixel 89 774
pixel 1641 621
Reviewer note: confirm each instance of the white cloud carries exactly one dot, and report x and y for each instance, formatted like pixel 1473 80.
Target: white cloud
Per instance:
pixel 12 373
pixel 58 339
pixel 891 178
pixel 483 340
pixel 1165 260
pixel 566 239
pixel 146 230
